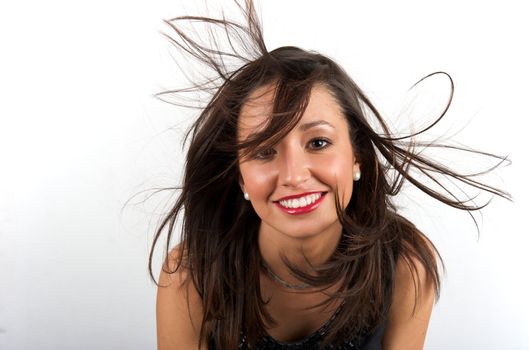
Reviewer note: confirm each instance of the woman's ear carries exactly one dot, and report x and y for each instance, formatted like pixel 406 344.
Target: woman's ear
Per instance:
pixel 245 194
pixel 357 172
pixel 241 182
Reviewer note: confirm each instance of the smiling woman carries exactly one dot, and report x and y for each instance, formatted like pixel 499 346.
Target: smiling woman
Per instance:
pixel 302 172
pixel 290 238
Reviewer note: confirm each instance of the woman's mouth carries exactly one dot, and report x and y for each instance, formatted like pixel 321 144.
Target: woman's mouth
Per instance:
pixel 301 204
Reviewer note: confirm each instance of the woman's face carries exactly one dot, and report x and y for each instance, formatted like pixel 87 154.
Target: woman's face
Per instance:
pixel 292 185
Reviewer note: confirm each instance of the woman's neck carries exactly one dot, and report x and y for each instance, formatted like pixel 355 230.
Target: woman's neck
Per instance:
pixel 301 251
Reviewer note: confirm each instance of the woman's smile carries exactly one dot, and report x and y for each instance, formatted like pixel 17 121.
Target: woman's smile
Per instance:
pixel 300 204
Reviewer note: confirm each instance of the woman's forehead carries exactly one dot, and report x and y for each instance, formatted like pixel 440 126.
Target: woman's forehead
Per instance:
pixel 257 109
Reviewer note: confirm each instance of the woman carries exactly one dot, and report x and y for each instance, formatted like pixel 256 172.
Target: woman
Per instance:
pixel 290 239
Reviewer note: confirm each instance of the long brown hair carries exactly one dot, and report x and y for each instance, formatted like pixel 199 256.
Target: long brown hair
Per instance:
pixel 219 228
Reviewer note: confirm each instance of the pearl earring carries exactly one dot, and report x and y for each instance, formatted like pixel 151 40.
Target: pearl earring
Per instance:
pixel 357 175
pixel 246 196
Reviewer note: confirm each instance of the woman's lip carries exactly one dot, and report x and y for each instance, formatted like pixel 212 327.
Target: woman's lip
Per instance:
pixel 299 195
pixel 302 210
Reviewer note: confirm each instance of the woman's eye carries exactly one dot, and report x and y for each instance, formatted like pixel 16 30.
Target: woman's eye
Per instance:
pixel 265 154
pixel 319 143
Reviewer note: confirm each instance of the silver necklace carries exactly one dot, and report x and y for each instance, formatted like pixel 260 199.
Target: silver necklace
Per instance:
pixel 282 281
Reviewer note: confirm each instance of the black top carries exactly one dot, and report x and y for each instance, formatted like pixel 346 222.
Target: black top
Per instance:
pixel 363 341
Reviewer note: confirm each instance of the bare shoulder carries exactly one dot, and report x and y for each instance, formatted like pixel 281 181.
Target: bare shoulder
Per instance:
pixel 412 302
pixel 178 307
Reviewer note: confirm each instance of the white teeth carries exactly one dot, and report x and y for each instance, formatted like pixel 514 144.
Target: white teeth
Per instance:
pixel 300 202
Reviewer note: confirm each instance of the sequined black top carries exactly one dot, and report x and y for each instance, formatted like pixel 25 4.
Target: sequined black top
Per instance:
pixel 363 341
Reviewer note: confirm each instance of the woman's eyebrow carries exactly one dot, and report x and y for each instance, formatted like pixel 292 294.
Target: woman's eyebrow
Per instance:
pixel 306 126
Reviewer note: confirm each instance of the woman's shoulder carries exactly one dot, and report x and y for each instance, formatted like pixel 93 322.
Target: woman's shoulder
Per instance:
pixel 178 305
pixel 415 286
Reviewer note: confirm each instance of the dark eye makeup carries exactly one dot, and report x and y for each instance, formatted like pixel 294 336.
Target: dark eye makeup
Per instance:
pixel 264 154
pixel 319 143
pixel 315 144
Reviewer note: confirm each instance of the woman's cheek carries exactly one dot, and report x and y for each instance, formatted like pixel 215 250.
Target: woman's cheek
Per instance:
pixel 259 181
pixel 337 173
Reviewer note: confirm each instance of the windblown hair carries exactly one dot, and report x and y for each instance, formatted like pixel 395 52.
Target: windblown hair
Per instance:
pixel 219 229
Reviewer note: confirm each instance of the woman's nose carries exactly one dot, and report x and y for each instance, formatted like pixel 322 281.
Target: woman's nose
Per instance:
pixel 294 168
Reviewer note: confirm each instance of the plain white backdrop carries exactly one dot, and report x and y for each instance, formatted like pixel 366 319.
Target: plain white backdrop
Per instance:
pixel 80 134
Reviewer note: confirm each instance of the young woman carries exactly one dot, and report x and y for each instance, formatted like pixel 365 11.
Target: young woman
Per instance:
pixel 290 239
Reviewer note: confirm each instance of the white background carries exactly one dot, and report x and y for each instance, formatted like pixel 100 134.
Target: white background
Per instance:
pixel 80 134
